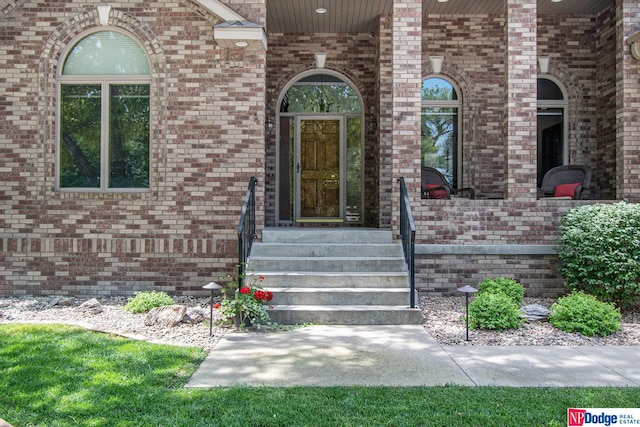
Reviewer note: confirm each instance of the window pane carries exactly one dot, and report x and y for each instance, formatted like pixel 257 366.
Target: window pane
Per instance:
pixel 80 136
pixel 129 136
pixel 106 53
pixel 549 90
pixel 438 143
pixel 435 89
pixel 550 140
pixel 320 94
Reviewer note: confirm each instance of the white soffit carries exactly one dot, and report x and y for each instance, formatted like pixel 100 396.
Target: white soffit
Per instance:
pixel 236 29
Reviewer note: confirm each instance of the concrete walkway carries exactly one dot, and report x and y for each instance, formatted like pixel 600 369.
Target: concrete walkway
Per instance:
pixel 404 356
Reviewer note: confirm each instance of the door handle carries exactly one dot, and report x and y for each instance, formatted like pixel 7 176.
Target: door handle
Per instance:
pixel 298 167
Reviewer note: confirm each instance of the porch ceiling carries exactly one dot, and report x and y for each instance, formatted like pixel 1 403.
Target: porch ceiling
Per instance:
pixel 359 16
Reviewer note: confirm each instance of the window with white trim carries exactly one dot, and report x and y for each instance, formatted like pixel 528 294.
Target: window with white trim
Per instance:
pixel 104 109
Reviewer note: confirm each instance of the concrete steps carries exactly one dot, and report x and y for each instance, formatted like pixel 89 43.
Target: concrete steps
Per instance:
pixel 333 276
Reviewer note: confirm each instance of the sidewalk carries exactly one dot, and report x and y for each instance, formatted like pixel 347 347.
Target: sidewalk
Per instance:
pixel 404 356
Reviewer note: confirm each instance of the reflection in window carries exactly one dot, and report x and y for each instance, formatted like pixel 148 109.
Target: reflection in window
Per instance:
pixel 439 128
pixel 104 115
pixel 320 93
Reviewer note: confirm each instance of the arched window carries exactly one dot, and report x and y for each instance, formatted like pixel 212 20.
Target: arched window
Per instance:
pixel 104 110
pixel 552 126
pixel 440 136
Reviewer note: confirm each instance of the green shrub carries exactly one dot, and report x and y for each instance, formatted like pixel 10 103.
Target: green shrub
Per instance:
pixel 145 301
pixel 508 287
pixel 494 311
pixel 579 312
pixel 599 250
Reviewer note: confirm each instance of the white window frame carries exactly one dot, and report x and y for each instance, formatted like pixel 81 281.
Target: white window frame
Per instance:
pixel 105 81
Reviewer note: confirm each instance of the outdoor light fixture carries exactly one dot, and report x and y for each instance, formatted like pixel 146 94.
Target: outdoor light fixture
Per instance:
pixel 212 286
pixel 467 290
pixel 241 44
pixel 436 63
pixel 543 62
pixel 321 10
pixel 321 58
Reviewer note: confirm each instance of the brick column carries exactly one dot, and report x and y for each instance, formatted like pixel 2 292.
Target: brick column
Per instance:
pixel 407 83
pixel 627 104
pixel 520 100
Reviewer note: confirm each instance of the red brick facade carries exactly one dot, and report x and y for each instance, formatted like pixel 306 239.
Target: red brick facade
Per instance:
pixel 212 128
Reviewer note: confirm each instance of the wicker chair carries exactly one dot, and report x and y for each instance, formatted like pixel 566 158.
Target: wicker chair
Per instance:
pixel 574 182
pixel 435 186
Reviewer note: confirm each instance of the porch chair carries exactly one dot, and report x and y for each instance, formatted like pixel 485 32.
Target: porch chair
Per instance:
pixel 435 186
pixel 572 181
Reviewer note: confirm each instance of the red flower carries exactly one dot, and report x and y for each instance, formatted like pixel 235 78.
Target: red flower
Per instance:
pixel 261 278
pixel 216 305
pixel 269 295
pixel 245 290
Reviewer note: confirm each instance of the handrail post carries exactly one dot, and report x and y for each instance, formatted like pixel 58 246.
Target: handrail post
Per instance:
pixel 408 235
pixel 246 229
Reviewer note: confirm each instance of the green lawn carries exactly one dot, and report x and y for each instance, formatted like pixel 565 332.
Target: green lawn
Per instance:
pixel 64 376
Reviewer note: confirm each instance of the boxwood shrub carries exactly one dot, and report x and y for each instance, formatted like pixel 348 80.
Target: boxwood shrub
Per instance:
pixel 599 250
pixel 494 311
pixel 579 312
pixel 508 287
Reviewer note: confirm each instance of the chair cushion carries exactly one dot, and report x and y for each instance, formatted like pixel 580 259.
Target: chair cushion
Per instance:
pixel 564 190
pixel 436 194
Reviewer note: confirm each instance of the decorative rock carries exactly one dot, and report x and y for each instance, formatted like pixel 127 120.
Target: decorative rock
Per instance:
pixel 535 312
pixel 194 315
pixel 168 316
pixel 66 302
pixel 92 306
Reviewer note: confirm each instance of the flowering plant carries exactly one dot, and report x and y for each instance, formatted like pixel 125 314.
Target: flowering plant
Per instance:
pixel 246 306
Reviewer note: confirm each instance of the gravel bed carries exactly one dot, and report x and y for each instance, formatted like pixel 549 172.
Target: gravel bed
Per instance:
pixel 443 320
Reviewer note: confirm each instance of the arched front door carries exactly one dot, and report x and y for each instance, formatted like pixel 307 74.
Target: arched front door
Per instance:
pixel 319 156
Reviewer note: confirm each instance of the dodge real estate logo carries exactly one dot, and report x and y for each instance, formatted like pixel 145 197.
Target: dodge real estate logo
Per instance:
pixel 575 417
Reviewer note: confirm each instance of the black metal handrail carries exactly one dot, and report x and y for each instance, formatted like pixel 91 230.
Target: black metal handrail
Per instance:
pixel 246 229
pixel 408 234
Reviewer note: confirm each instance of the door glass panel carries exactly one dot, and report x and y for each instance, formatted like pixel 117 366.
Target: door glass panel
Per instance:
pixel 319 168
pixel 354 170
pixel 285 169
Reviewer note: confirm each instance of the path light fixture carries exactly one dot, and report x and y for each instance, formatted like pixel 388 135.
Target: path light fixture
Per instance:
pixel 467 290
pixel 211 286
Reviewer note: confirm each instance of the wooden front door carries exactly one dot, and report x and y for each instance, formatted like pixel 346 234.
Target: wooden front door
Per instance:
pixel 320 179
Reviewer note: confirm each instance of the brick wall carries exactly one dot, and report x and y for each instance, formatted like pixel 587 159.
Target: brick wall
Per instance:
pixel 206 141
